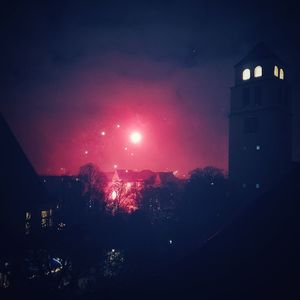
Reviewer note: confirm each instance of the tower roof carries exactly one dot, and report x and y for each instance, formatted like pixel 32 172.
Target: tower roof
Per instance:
pixel 260 52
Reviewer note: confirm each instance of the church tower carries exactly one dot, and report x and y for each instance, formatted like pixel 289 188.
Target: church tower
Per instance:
pixel 260 133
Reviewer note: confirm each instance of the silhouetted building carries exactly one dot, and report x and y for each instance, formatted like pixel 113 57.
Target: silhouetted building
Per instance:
pixel 24 204
pixel 260 134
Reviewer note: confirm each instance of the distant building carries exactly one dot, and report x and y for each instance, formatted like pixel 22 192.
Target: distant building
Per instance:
pixel 260 127
pixel 124 187
pixel 141 178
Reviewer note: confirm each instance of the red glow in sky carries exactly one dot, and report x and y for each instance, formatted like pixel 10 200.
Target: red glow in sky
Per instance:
pixel 97 114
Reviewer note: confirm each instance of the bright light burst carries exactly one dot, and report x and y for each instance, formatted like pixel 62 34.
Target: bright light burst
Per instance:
pixel 135 137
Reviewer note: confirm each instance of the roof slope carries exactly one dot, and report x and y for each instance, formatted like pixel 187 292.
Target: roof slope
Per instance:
pixel 260 52
pixel 20 187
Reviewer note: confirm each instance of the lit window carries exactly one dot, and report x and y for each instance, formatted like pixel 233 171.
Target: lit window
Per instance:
pixel 46 218
pixel 44 214
pixel 258 71
pixel 44 223
pixel 257 147
pixel 246 74
pixel 27 216
pixel 257 185
pixel 27 228
pixel 276 71
pixel 281 74
pixel 244 185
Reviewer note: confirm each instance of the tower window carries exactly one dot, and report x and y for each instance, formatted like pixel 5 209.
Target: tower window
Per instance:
pixel 246 97
pixel 258 71
pixel 251 125
pixel 276 72
pixel 257 96
pixel 246 74
pixel 257 147
pixel 281 74
pixel 257 185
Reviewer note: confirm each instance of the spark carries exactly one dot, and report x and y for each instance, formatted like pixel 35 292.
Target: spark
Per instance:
pixel 86 152
pixel 135 137
pixel 103 133
pixel 125 148
pixel 118 125
pixel 115 166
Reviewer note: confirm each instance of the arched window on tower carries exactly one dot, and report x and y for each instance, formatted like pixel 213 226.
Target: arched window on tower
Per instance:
pixel 276 71
pixel 281 74
pixel 258 71
pixel 246 74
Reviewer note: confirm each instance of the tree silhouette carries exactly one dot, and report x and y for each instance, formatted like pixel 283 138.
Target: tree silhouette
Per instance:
pixel 203 203
pixel 94 182
pixel 122 197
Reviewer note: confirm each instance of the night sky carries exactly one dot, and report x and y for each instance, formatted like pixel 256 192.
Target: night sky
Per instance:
pixel 71 70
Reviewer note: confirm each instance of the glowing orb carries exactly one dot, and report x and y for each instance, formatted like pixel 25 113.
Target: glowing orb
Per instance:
pixel 103 133
pixel 135 137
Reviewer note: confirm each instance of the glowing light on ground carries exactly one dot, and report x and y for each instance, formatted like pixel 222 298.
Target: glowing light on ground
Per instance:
pixel 118 125
pixel 125 148
pixel 103 133
pixel 135 137
pixel 113 195
pixel 115 166
pixel 86 152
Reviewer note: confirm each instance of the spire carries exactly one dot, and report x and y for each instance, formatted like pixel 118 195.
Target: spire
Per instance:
pixel 259 53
